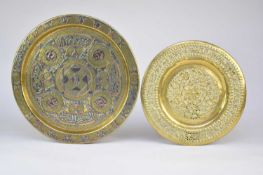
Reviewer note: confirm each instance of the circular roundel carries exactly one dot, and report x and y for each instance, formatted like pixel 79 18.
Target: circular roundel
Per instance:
pixel 193 93
pixel 72 79
pixel 101 102
pixel 50 55
pixel 99 56
pixel 52 102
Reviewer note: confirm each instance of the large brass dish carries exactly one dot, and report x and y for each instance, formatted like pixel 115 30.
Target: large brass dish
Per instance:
pixel 75 78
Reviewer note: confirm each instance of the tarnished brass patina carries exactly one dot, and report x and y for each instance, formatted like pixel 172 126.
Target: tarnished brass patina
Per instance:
pixel 75 78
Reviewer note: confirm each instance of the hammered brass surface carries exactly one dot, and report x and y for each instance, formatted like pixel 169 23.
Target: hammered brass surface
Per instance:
pixel 193 93
pixel 75 78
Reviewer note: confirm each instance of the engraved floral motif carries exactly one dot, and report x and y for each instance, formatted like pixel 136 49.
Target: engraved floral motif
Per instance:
pixel 193 92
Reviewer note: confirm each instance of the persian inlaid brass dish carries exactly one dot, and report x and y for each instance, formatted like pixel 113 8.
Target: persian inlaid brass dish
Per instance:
pixel 75 78
pixel 193 93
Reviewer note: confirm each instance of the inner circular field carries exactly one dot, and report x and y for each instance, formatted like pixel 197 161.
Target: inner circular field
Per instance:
pixel 75 79
pixel 192 93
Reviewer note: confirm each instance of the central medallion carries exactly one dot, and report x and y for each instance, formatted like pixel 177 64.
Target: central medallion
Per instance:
pixel 74 79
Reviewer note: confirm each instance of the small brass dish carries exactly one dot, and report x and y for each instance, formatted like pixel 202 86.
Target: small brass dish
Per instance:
pixel 75 79
pixel 193 93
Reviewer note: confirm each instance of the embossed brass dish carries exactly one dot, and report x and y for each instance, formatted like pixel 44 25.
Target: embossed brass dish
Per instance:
pixel 193 93
pixel 75 78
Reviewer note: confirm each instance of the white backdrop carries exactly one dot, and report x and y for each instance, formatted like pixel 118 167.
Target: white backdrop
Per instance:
pixel 148 27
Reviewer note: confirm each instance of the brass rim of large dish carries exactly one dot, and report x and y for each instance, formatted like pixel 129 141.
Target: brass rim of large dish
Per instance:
pixel 193 93
pixel 75 78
